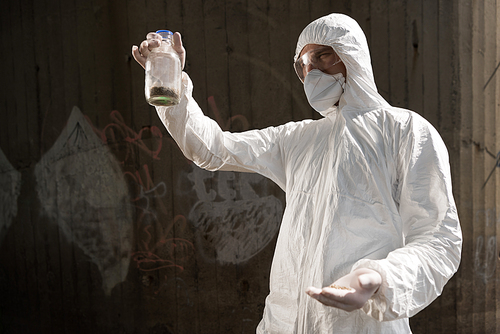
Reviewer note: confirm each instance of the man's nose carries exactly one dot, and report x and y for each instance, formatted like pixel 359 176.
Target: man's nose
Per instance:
pixel 310 67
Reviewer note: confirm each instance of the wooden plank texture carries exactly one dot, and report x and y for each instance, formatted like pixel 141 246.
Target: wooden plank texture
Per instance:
pixel 438 58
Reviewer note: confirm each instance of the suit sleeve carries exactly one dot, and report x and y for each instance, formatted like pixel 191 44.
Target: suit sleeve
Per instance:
pixel 202 140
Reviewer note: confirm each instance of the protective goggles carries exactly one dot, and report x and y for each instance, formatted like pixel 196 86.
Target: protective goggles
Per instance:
pixel 321 58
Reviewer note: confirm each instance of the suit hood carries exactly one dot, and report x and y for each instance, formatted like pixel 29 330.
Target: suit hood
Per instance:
pixel 346 37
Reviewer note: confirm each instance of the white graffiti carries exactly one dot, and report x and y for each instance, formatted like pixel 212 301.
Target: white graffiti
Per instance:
pixel 82 188
pixel 10 188
pixel 234 220
pixel 484 258
pixel 485 252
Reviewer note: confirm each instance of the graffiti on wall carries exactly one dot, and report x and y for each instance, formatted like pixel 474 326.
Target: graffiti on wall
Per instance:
pixel 10 188
pixel 235 215
pixel 124 141
pixel 156 247
pixel 234 220
pixel 485 247
pixel 89 183
pixel 81 187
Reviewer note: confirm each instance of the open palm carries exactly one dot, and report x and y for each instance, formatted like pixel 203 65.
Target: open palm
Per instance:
pixel 362 284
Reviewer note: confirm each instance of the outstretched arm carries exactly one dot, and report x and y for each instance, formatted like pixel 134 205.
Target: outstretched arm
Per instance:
pixel 414 275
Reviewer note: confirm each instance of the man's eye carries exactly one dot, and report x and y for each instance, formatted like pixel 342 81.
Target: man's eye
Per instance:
pixel 325 54
pixel 322 56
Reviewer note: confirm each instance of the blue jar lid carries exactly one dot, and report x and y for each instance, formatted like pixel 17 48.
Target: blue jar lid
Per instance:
pixel 165 34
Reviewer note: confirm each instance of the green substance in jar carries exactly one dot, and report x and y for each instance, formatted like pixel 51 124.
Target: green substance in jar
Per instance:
pixel 162 96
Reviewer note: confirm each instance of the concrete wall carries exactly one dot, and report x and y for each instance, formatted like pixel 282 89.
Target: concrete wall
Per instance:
pixel 106 227
pixel 477 287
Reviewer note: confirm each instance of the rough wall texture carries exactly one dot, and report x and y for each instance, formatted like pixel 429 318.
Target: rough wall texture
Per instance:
pixel 106 227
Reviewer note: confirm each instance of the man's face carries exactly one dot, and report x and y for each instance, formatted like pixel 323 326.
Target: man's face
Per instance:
pixel 321 57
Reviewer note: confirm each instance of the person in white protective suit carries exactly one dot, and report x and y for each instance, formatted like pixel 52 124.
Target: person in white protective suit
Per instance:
pixel 369 204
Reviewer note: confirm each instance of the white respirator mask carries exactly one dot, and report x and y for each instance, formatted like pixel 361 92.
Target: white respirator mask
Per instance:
pixel 323 90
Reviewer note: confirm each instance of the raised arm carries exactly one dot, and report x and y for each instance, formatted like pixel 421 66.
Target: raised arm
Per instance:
pixel 202 140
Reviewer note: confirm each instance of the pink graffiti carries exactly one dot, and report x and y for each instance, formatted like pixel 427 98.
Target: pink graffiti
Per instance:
pixel 118 135
pixel 156 249
pixel 226 125
pixel 179 249
pixel 147 257
pixel 147 191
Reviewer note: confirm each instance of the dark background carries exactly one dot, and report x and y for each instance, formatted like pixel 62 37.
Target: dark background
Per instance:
pixel 106 228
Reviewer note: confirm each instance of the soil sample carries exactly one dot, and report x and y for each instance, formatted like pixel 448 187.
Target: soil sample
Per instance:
pixel 163 96
pixel 334 286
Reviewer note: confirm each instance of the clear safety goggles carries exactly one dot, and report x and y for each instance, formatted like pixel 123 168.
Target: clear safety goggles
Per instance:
pixel 321 58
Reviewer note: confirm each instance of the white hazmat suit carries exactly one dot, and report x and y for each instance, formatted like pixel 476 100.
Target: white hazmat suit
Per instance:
pixel 367 186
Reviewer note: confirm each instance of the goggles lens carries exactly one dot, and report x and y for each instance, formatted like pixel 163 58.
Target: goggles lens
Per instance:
pixel 321 58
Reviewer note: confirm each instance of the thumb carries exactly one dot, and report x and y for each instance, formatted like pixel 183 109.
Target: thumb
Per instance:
pixel 179 48
pixel 177 41
pixel 369 281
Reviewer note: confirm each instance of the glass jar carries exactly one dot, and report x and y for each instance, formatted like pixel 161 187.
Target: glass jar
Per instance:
pixel 163 73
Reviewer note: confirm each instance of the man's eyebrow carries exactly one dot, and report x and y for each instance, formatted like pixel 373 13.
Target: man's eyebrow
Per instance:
pixel 323 49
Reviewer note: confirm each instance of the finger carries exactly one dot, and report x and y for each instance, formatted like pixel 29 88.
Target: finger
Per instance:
pixel 138 57
pixel 179 48
pixel 153 36
pixel 369 281
pixel 328 300
pixel 153 41
pixel 365 281
pixel 312 291
pixel 331 294
pixel 352 299
pixel 145 48
pixel 178 42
